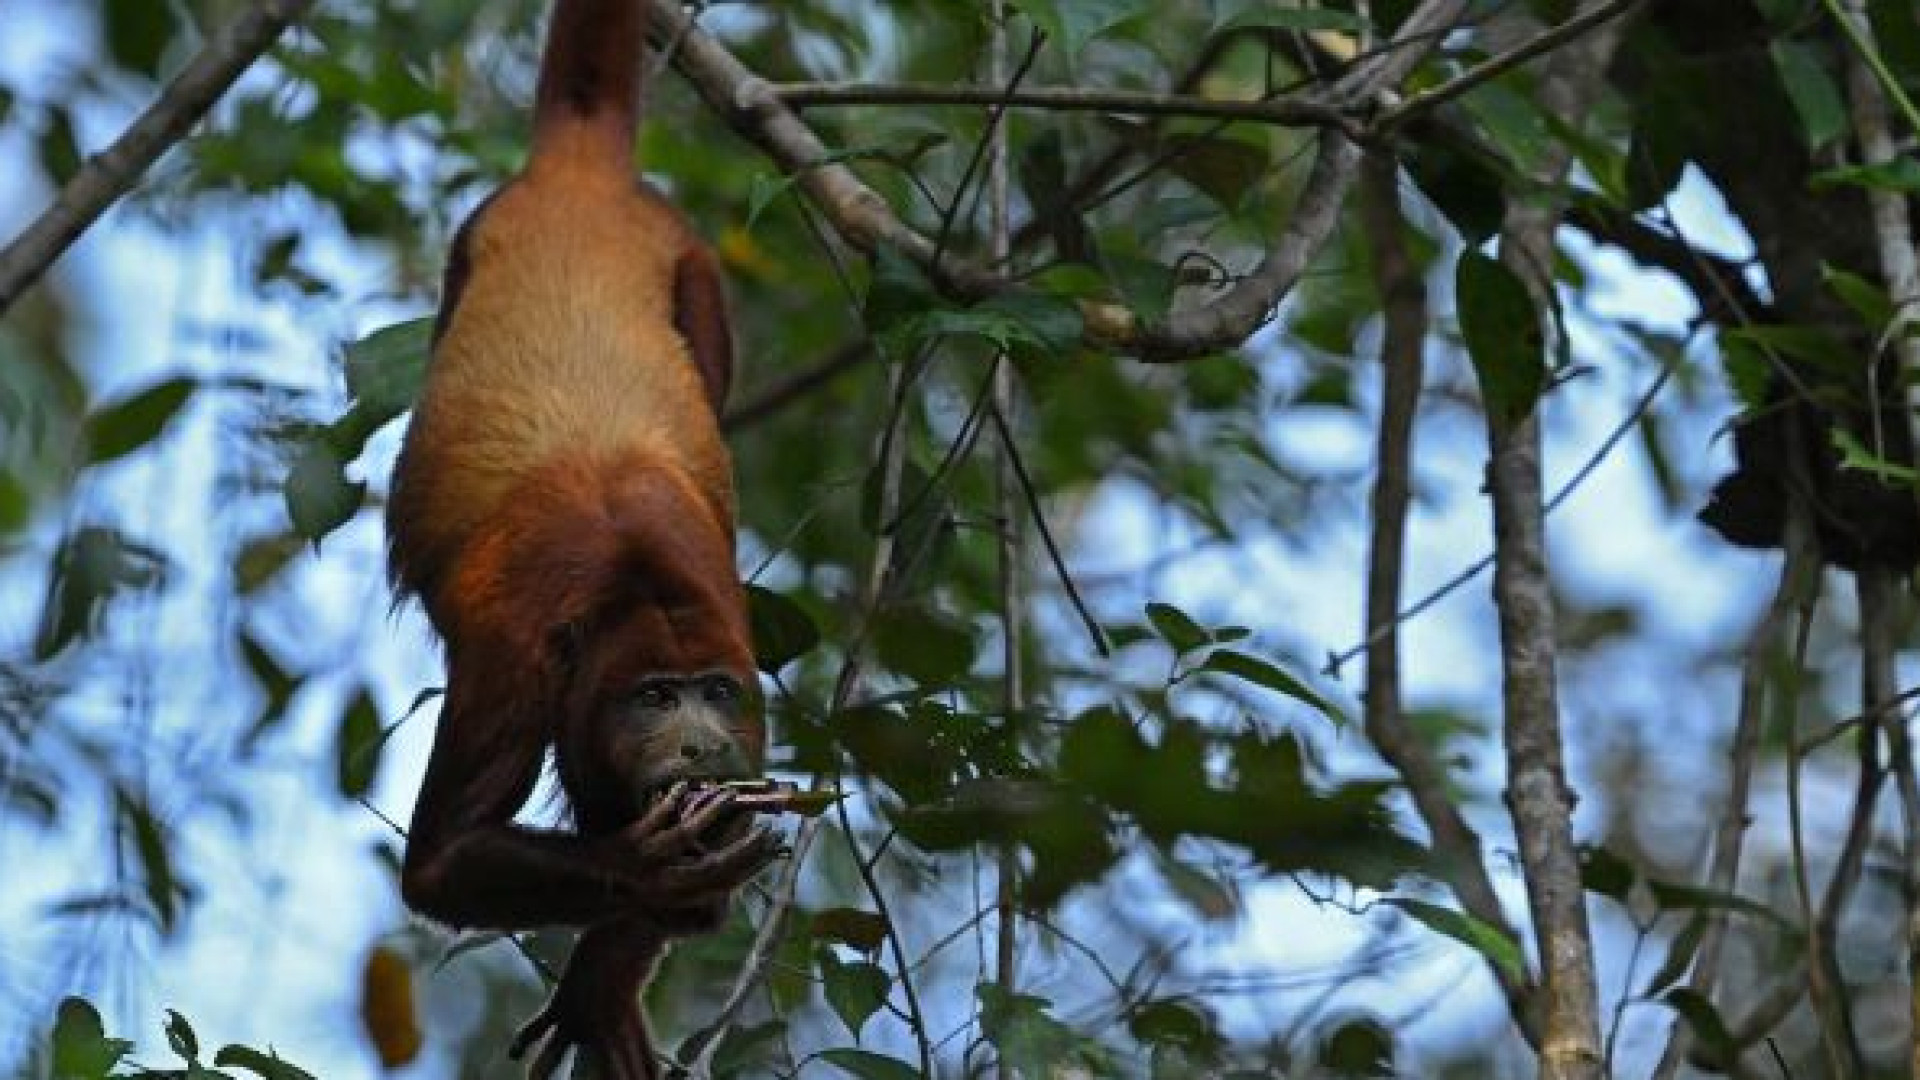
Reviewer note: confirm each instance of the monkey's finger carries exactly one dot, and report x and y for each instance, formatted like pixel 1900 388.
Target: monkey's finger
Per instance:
pixel 532 1031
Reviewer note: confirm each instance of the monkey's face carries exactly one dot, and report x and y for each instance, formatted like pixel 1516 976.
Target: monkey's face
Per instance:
pixel 672 728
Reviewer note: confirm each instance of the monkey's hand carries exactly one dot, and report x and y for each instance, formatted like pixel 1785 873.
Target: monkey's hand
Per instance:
pixel 691 849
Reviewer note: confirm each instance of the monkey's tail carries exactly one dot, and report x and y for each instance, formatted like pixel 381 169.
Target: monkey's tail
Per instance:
pixel 587 103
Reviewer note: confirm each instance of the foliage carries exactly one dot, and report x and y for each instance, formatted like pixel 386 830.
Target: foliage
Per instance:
pixel 1171 770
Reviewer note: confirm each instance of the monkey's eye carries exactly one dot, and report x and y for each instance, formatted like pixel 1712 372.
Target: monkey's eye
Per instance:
pixel 721 690
pixel 655 696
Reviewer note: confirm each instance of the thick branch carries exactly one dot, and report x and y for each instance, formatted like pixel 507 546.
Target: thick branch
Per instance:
pixel 1537 791
pixel 753 107
pixel 108 175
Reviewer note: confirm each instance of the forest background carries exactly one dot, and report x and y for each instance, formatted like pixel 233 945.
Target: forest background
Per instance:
pixel 1222 485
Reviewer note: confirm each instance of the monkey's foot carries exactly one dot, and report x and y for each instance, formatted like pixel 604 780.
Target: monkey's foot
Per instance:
pixel 602 1052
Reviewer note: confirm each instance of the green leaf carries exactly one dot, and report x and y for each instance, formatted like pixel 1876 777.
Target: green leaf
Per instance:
pixel 1747 369
pixel 1901 174
pixel 1239 665
pixel 868 1065
pixel 782 630
pixel 1073 23
pixel 181 1038
pixel 60 152
pixel 137 33
pixel 855 991
pixel 1176 628
pixel 81 1048
pixel 1502 333
pixel 1020 1027
pixel 1481 937
pixel 163 888
pixel 1855 456
pixel 1604 872
pixel 1703 1018
pixel 1679 955
pixel 386 369
pixel 1357 1048
pixel 318 494
pixel 930 648
pixel 1223 167
pixel 118 429
pixel 1823 116
pixel 267 1065
pixel 357 749
pixel 864 931
pixel 1867 299
pixel 1674 897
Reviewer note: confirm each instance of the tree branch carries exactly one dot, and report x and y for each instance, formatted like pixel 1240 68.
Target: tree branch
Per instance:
pixel 1495 66
pixel 752 107
pixel 110 174
pixel 1403 299
pixel 1537 791
pixel 1283 112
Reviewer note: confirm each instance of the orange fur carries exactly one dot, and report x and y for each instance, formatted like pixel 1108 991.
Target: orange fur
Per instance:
pixel 563 508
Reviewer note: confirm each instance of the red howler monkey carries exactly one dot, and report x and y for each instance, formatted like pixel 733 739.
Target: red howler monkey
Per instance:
pixel 563 509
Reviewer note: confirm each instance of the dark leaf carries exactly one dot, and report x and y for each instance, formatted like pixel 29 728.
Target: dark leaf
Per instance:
pixel 782 630
pixel 1239 665
pixel 358 745
pixel 1482 937
pixel 1679 955
pixel 855 991
pixel 118 429
pixel 868 1065
pixel 1704 1019
pixel 181 1038
pixel 163 888
pixel 1070 24
pixel 864 931
pixel 59 147
pixel 81 1048
pixel 930 648
pixel 386 369
pixel 319 496
pixel 1604 872
pixel 1503 337
pixel 137 33
pixel 1816 98
pixel 1357 1048
pixel 1177 628
pixel 268 1066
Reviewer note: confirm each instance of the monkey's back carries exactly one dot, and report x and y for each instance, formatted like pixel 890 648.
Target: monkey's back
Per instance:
pixel 558 343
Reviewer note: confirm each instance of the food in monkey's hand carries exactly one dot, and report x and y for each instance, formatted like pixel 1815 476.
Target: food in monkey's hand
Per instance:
pixel 780 797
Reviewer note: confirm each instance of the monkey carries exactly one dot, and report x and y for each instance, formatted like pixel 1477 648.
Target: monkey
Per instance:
pixel 562 508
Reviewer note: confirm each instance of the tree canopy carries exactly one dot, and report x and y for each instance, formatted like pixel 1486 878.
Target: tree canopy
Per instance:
pixel 1352 538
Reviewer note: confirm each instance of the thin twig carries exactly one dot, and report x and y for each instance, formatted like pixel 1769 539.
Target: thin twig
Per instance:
pixel 1573 483
pixel 110 174
pixel 1799 579
pixel 1013 599
pixel 1283 112
pixel 772 399
pixel 1495 66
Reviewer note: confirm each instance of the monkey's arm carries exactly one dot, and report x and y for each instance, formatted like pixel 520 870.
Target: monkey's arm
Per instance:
pixel 470 865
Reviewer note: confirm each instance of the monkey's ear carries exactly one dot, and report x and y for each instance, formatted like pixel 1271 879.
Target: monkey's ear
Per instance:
pixel 700 314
